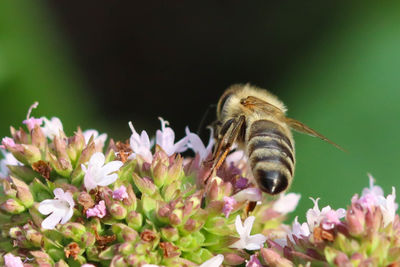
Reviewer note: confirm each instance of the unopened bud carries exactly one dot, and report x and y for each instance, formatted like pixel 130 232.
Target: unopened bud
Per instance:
pixel 134 220
pixel 170 233
pixel 13 206
pixel 118 211
pixel 38 138
pixel 23 192
pixel 118 261
pixel 126 248
pixel 73 230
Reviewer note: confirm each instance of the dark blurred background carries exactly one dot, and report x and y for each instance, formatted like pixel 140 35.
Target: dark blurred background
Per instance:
pixel 99 64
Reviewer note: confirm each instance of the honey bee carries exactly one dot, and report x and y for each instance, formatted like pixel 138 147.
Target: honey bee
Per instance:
pixel 255 120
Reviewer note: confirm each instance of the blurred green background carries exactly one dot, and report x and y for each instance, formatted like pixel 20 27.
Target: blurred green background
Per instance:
pixel 100 64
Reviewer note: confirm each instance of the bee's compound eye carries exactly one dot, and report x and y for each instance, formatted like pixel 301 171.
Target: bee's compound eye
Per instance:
pixel 272 182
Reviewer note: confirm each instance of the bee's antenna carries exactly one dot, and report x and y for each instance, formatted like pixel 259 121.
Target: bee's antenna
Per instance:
pixel 203 119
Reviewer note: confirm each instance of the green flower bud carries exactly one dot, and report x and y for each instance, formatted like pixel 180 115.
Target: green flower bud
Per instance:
pixel 145 185
pixel 126 248
pixel 124 232
pixel 88 239
pixel 12 206
pixel 42 258
pixel 175 171
pixel 118 211
pixel 38 138
pixel 169 233
pixel 273 258
pixel 198 256
pixel 31 153
pixel 160 173
pixel 61 263
pixel 75 145
pixel 23 192
pixel 78 174
pixel 8 190
pixel 62 166
pixel 25 173
pixel 34 237
pixel 73 230
pixel 134 220
pixel 108 253
pixel 118 261
pixel 233 259
pixel 171 191
pixel 175 218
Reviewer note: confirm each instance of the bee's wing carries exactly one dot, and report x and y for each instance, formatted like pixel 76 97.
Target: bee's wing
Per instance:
pixel 252 102
pixel 302 128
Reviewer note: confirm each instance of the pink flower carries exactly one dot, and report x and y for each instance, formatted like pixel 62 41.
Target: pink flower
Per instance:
pixel 61 209
pixel 250 194
pixel 88 265
pixel 166 138
pixel 388 207
pixel 12 261
pixel 140 145
pixel 286 203
pixel 32 122
pixel 120 193
pixel 8 142
pixel 98 210
pixel 247 241
pixel 229 202
pixel 374 197
pixel 253 262
pixel 369 197
pixel 99 173
pixel 198 146
pixel 299 230
pixel 326 217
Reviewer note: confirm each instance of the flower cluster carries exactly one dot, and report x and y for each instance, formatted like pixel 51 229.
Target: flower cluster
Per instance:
pixel 75 201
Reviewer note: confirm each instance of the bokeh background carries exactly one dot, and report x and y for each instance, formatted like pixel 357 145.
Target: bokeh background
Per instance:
pixel 99 64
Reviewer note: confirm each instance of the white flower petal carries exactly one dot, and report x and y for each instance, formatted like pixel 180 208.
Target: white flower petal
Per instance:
pixel 47 206
pixel 250 194
pixel 97 159
pixel 89 182
pixel 286 203
pixel 67 216
pixel 239 226
pixel 112 166
pixel 215 261
pixel 258 239
pixel 51 221
pixel 248 224
pixel 252 246
pixel 108 179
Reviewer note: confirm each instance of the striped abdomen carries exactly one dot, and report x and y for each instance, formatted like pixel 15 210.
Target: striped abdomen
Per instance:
pixel 271 155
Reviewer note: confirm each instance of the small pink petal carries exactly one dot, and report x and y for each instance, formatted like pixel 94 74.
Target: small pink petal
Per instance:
pixel 98 210
pixel 12 261
pixel 229 203
pixel 8 142
pixel 120 193
pixel 32 122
